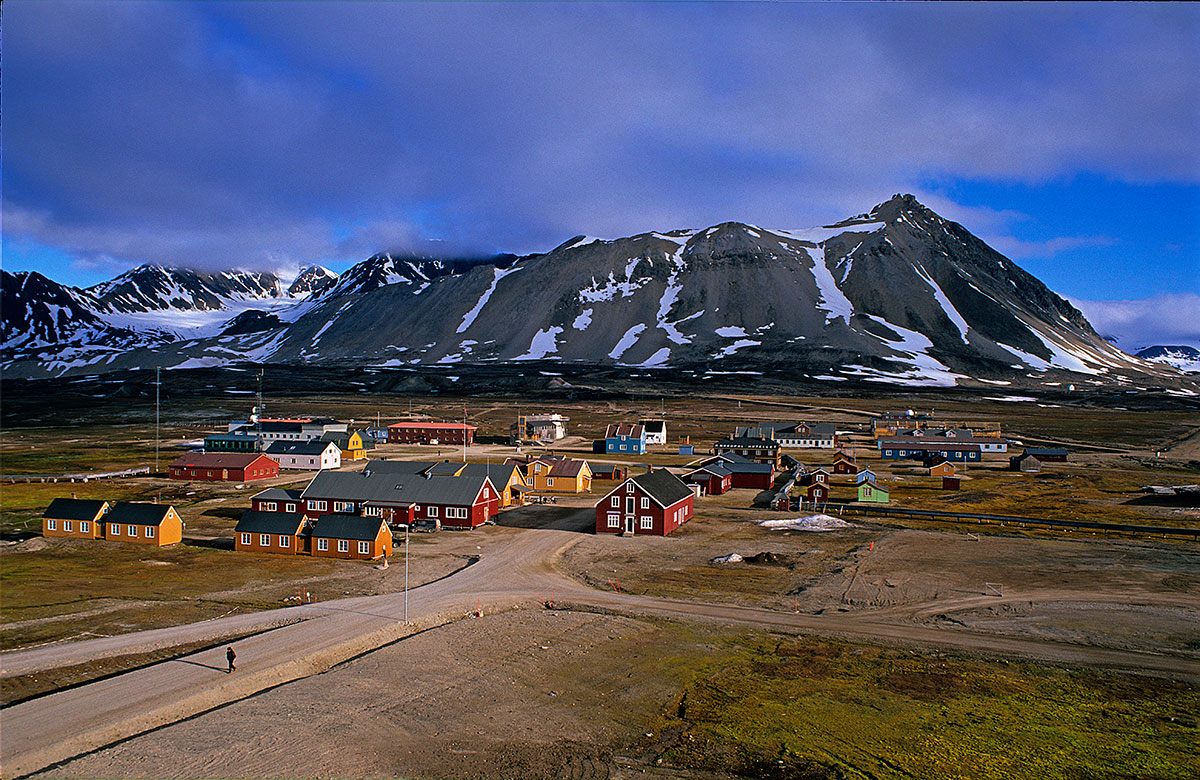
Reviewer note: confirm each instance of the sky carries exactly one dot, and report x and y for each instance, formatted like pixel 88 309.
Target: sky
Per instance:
pixel 270 136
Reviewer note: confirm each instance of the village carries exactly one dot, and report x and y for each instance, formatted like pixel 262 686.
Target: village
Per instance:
pixel 610 526
pixel 357 502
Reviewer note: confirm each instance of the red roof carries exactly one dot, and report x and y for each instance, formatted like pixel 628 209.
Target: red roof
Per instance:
pixel 217 460
pixel 432 425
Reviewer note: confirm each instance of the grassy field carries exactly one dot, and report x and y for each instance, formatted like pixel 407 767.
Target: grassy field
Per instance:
pixel 775 707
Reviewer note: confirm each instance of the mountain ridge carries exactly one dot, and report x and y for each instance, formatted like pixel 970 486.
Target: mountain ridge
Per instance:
pixel 896 294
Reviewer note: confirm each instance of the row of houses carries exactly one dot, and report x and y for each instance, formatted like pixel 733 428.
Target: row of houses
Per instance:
pixel 120 521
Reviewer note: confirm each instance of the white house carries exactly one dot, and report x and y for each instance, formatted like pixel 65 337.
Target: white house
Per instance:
pixel 656 431
pixel 309 455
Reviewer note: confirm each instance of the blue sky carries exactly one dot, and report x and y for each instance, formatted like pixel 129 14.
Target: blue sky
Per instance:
pixel 272 135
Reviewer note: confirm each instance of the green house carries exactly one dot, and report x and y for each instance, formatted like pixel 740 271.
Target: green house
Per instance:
pixel 869 492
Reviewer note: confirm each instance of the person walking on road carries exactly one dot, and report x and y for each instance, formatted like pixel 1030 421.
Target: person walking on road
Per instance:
pixel 230 656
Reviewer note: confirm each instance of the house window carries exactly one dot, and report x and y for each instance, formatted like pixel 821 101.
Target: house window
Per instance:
pixel 264 540
pixel 132 530
pixel 114 529
pixel 364 548
pixel 614 519
pixel 549 483
pixel 616 502
pixel 343 545
pixel 645 502
pixel 52 525
pixel 149 532
pixel 373 511
pixel 647 522
pixel 289 507
pixel 322 544
pixel 432 511
pixel 269 506
pixel 246 539
pixel 343 506
pixel 283 541
pixel 85 526
pixel 67 526
pixel 318 506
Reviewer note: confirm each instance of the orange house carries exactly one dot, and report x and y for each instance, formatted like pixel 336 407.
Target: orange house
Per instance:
pixel 142 523
pixel 351 537
pixel 74 518
pixel 942 468
pixel 281 533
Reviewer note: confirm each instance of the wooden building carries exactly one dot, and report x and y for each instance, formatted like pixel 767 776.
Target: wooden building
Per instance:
pixel 305 455
pixel 351 537
pixel 431 433
pixel 713 479
pixel 942 468
pixel 650 504
pixel 844 463
pixel 278 533
pixel 74 518
pixel 354 445
pixel 754 448
pixel 1047 454
pixel 921 449
pixel 864 475
pixel 555 474
pixel 222 467
pixel 143 523
pixel 276 500
pixel 817 476
pixel 817 492
pixel 1025 462
pixel 625 438
pixel 870 493
pixel 608 471
pixel 745 473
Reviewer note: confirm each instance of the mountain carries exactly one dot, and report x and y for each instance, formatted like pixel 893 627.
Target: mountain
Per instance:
pixel 313 279
pixel 153 288
pixel 896 295
pixel 1184 358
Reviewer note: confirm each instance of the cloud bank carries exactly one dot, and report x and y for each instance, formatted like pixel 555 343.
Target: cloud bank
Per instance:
pixel 1134 325
pixel 259 134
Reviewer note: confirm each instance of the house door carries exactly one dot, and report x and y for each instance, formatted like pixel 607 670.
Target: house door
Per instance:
pixel 630 508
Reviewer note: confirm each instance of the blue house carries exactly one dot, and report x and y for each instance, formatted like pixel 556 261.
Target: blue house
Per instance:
pixel 623 437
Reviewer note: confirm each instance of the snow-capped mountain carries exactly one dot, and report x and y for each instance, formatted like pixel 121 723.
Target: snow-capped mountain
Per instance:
pixel 313 279
pixel 1184 358
pixel 896 295
pixel 153 288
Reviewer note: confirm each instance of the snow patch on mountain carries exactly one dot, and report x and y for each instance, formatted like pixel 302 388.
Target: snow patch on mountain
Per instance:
pixel 832 300
pixel 497 275
pixel 626 341
pixel 543 344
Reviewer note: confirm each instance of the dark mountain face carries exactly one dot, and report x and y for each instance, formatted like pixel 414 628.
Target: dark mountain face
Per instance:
pixel 1182 357
pixel 153 288
pixel 313 279
pixel 895 295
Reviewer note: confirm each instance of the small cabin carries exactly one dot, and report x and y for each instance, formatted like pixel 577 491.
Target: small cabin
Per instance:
pixel 871 493
pixel 74 518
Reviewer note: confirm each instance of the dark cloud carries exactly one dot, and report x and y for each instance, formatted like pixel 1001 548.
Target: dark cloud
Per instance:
pixel 258 133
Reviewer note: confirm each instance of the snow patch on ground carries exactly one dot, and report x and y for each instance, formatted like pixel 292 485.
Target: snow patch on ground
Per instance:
pixel 809 523
pixel 731 558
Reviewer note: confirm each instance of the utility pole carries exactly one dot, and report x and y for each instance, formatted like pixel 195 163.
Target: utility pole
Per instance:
pixel 406 525
pixel 258 413
pixel 464 433
pixel 157 437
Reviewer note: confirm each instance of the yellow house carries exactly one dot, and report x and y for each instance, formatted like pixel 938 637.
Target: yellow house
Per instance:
pixel 75 518
pixel 353 444
pixel 506 477
pixel 555 474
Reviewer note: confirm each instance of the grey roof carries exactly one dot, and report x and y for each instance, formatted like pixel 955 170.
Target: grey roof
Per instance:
pixel 716 469
pixel 663 487
pixel 382 485
pixel 342 439
pixel 74 509
pixel 239 437
pixel 282 523
pixel 298 447
pixel 755 442
pixel 770 430
pixel 347 527
pixel 654 426
pixel 137 513
pixel 277 494
pixel 1043 451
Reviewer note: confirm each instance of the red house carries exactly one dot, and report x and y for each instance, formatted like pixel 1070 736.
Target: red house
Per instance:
pixel 223 467
pixel 844 464
pixel 714 479
pixel 817 493
pixel 431 433
pixel 650 504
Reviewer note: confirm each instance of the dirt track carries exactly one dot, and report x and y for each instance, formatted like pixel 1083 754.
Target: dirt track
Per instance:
pixel 458 671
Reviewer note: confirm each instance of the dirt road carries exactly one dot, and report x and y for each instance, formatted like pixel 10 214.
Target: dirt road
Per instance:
pixel 516 569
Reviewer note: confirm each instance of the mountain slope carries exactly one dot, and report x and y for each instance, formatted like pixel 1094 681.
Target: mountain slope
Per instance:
pixel 1184 358
pixel 896 295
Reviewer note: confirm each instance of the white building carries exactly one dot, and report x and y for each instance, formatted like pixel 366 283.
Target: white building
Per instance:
pixel 656 431
pixel 307 455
